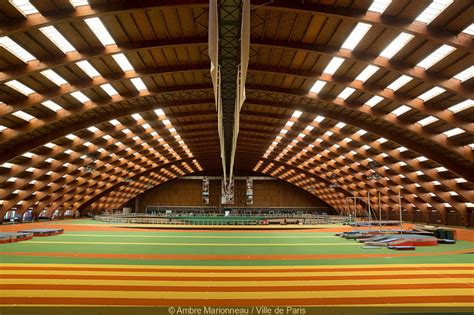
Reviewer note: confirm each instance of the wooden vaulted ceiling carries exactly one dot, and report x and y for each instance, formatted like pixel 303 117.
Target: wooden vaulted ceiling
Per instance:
pixel 96 153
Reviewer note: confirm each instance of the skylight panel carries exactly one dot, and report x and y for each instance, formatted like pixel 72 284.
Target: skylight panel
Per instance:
pixel 52 106
pixel 435 56
pixel 109 89
pixel 15 49
pixel 461 106
pixel 88 69
pixel 453 132
pixel 431 93
pixel 166 122
pixel 318 86
pixel 428 120
pixel 361 132
pixel 71 136
pixel 123 62
pixel 24 6
pixel 20 87
pixel 379 6
pixel 382 140
pixel 433 10
pixel 401 110
pixel 374 101
pixel 346 93
pixel 2 127
pixel 356 36
pixel 398 83
pixel 289 124
pixel 138 83
pixel 465 74
pixel 340 125
pixel 93 129
pixel 402 149
pixel 23 115
pixel 28 155
pixel 57 38
pixel 78 3
pixel 319 119
pixel 367 73
pixel 296 114
pixel 333 65
pixel 159 112
pixel 396 45
pixel 99 30
pixel 54 77
pixel 137 117
pixel 469 30
pixel 81 97
pixel 50 145
pixel 309 128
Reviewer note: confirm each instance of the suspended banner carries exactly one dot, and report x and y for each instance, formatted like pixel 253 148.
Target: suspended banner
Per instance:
pixel 205 190
pixel 249 191
pixel 213 41
pixel 227 196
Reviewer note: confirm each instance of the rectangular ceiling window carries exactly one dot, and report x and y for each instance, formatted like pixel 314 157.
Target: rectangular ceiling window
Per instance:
pixel 23 115
pixel 54 77
pixel 50 145
pixel 427 121
pixel 346 93
pixel 52 106
pixel 19 87
pixel 461 106
pixel 109 89
pixel 333 65
pixel 469 30
pixel 123 62
pixel 93 129
pixel 24 6
pixel 99 30
pixel 374 101
pixel 356 36
pixel 28 155
pixel 433 10
pixel 114 122
pixel 296 114
pixel 318 86
pixel 71 136
pixel 435 56
pixel 57 38
pixel 319 119
pixel 396 45
pixel 465 74
pixel 398 83
pixel 379 6
pixel 137 117
pixel 16 49
pixel 361 132
pixel 138 83
pixel 78 3
pixel 159 112
pixel 453 132
pixel 431 93
pixel 340 125
pixel 88 69
pixel 367 73
pixel 401 110
pixel 81 97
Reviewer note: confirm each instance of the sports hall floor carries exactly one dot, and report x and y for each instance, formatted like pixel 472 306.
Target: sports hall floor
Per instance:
pixel 96 264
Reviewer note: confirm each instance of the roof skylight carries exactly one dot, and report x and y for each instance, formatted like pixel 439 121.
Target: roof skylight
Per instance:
pixel 401 110
pixel 24 6
pixel 81 97
pixel 317 87
pixel 99 30
pixel 88 68
pixel 367 73
pixel 398 83
pixel 23 115
pixel 461 106
pixel 433 10
pixel 137 117
pixel 469 30
pixel 18 51
pixel 123 62
pixel 333 65
pixel 54 77
pixel 453 132
pixel 57 38
pixel 435 56
pixel 431 93
pixel 78 3
pixel 356 36
pixel 138 83
pixel 296 114
pixel 19 87
pixel 465 74
pixel 379 6
pixel 374 101
pixel 319 119
pixel 52 106
pixel 109 89
pixel 346 93
pixel 426 121
pixel 159 112
pixel 396 45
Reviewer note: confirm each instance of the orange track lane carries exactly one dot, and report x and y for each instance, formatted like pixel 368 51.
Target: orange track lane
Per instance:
pixel 254 302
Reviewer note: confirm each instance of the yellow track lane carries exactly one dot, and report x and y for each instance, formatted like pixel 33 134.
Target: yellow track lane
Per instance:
pixel 170 295
pixel 192 244
pixel 200 236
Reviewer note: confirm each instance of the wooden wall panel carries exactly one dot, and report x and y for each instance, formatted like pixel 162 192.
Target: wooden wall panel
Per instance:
pixel 267 193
